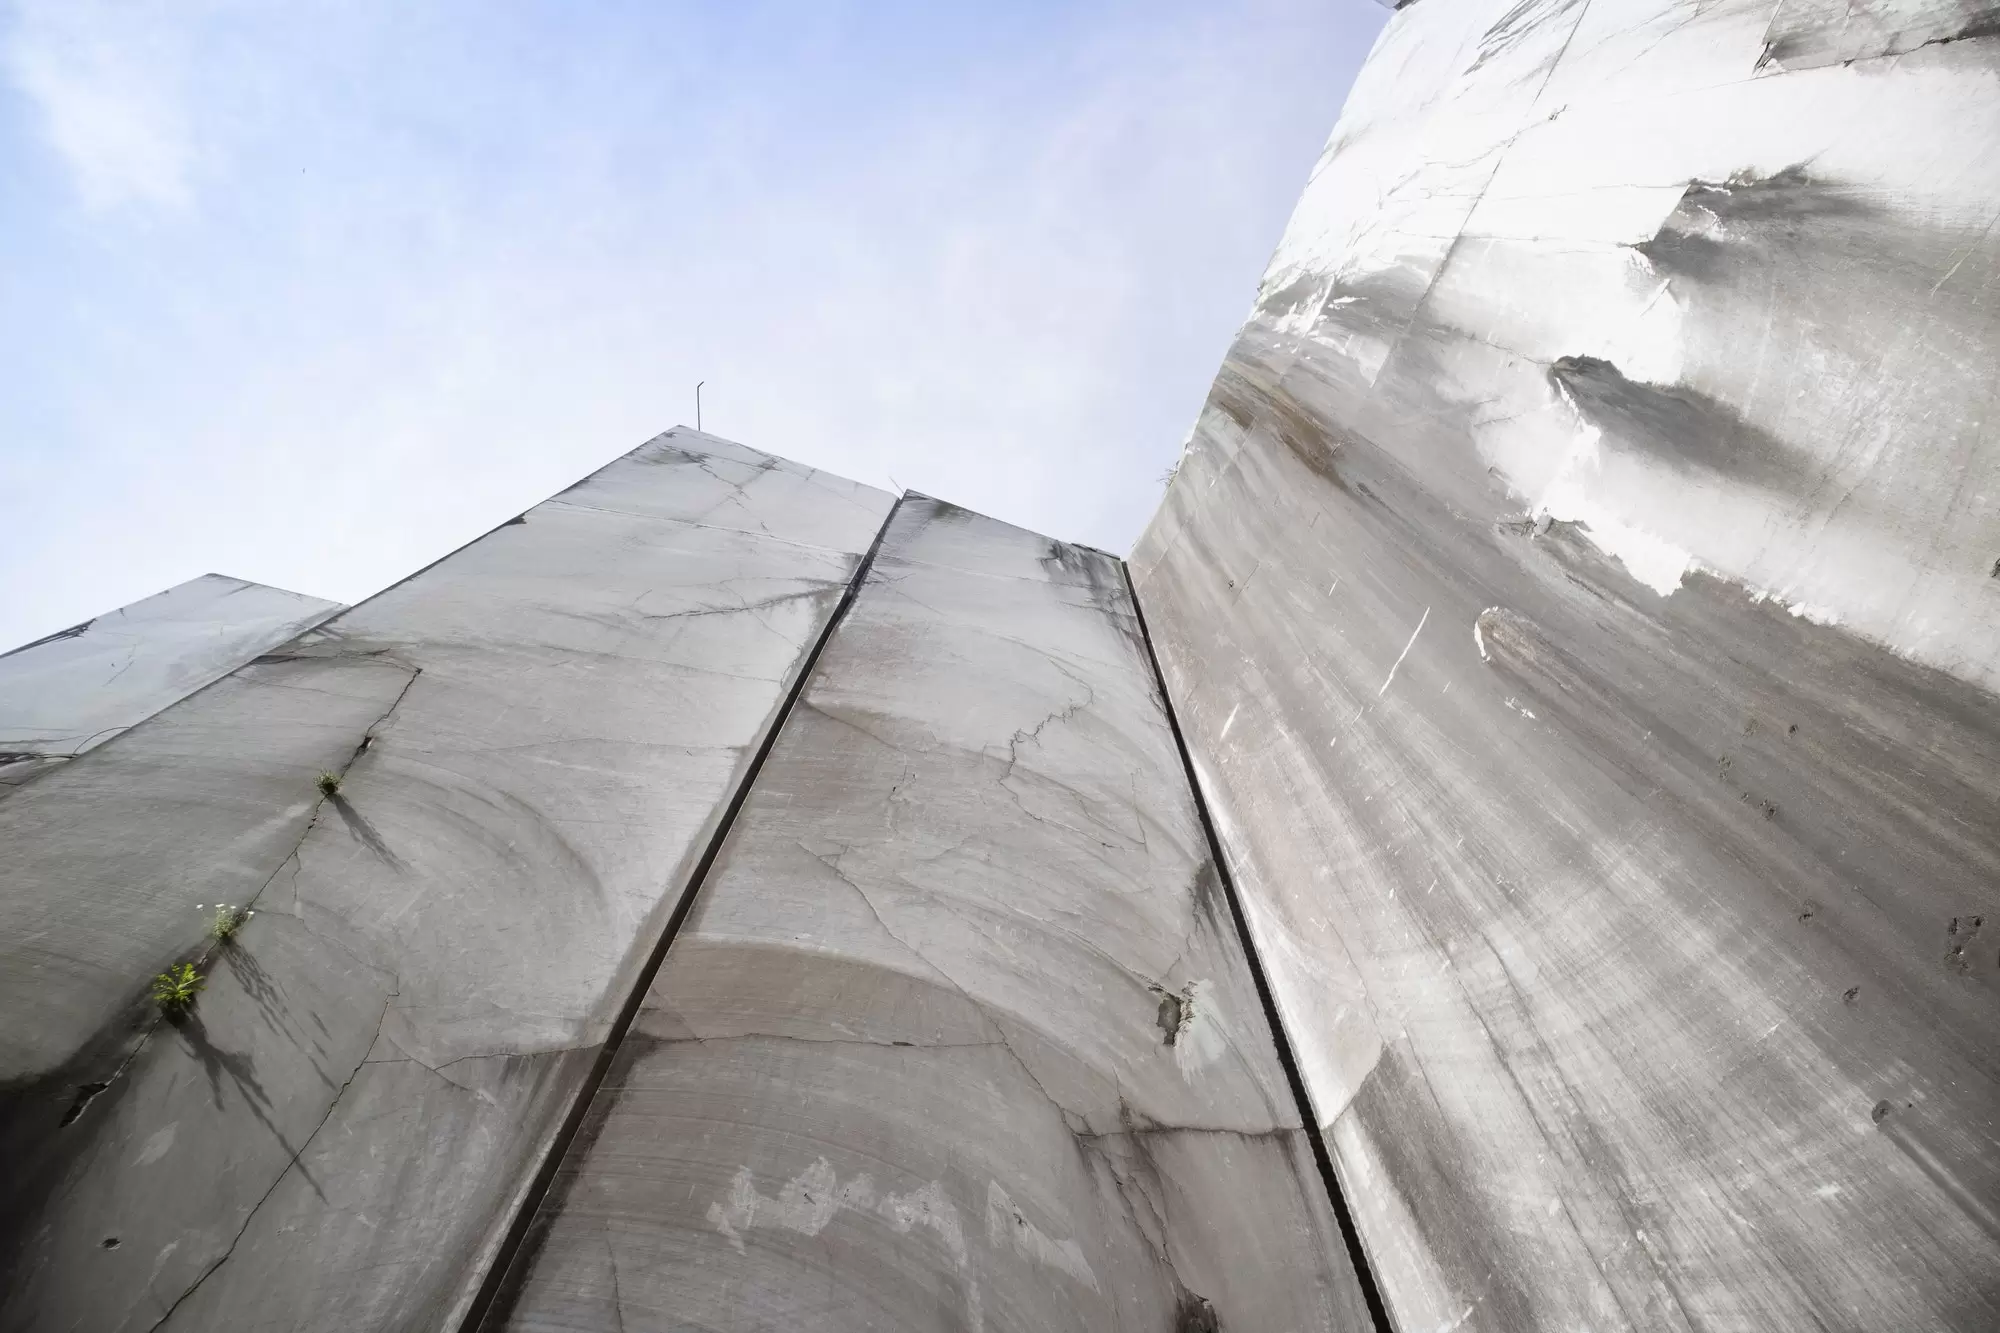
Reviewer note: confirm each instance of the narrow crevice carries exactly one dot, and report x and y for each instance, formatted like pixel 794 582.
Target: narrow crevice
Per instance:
pixel 1357 1254
pixel 297 1155
pixel 203 958
pixel 513 1244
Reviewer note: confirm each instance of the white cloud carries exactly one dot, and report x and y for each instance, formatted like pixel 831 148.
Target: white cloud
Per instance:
pixel 107 79
pixel 447 258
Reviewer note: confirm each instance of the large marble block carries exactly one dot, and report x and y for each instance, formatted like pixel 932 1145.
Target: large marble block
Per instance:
pixel 1579 595
pixel 959 1034
pixel 79 687
pixel 535 739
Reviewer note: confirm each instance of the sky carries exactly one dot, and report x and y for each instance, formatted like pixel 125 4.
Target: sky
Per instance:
pixel 311 292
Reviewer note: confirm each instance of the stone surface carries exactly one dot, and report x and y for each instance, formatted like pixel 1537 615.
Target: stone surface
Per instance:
pixel 1578 593
pixel 1581 598
pixel 959 1034
pixel 63 694
pixel 536 737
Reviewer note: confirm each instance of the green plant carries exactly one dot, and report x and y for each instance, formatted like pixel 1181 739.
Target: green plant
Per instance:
pixel 329 784
pixel 226 921
pixel 174 989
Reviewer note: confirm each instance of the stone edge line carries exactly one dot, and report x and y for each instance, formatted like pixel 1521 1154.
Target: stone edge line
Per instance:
pixel 1357 1253
pixel 493 1283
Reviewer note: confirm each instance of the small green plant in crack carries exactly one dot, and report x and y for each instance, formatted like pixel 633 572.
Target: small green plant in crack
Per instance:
pixel 329 784
pixel 174 989
pixel 226 920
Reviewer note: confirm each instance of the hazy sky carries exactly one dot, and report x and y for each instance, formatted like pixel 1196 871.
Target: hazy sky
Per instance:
pixel 312 292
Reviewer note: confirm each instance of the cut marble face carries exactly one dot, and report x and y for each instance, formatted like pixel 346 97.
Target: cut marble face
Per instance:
pixel 534 740
pixel 905 1061
pixel 1578 596
pixel 73 690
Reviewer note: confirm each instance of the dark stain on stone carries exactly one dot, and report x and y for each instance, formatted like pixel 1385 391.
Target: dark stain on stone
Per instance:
pixel 85 1095
pixel 1421 1160
pixel 939 511
pixel 1306 437
pixel 1206 891
pixel 1196 1315
pixel 40 1159
pixel 1288 300
pixel 1810 37
pixel 1169 1016
pixel 1848 996
pixel 1682 428
pixel 1719 224
pixel 1959 936
pixel 672 454
pixel 634 1050
pixel 1101 574
pixel 1766 808
pixel 72 632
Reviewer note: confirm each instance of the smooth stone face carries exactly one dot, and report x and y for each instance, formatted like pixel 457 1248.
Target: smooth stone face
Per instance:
pixel 63 694
pixel 959 1034
pixel 1583 622
pixel 535 736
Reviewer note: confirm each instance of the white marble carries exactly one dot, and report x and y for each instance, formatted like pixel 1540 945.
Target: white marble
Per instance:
pixel 75 689
pixel 1587 634
pixel 536 736
pixel 959 1034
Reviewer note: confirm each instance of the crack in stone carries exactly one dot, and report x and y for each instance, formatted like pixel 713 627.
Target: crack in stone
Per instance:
pixel 831 1041
pixel 617 1288
pixel 818 587
pixel 251 1216
pixel 202 960
pixel 438 1069
pixel 999 1024
pixel 333 1105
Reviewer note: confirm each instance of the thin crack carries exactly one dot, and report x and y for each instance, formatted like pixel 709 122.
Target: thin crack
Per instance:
pixel 282 1175
pixel 203 959
pixel 999 1024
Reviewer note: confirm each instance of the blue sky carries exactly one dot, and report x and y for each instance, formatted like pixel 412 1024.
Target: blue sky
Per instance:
pixel 312 292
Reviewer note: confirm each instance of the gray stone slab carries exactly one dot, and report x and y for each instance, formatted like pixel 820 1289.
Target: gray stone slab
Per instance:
pixel 536 736
pixel 958 1034
pixel 1594 693
pixel 65 693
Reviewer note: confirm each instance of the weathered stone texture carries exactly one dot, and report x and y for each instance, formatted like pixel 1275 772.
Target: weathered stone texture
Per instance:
pixel 535 737
pixel 77 688
pixel 959 1034
pixel 1578 594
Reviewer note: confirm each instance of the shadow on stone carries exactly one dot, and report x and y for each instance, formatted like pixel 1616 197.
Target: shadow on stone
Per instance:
pixel 358 825
pixel 237 1067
